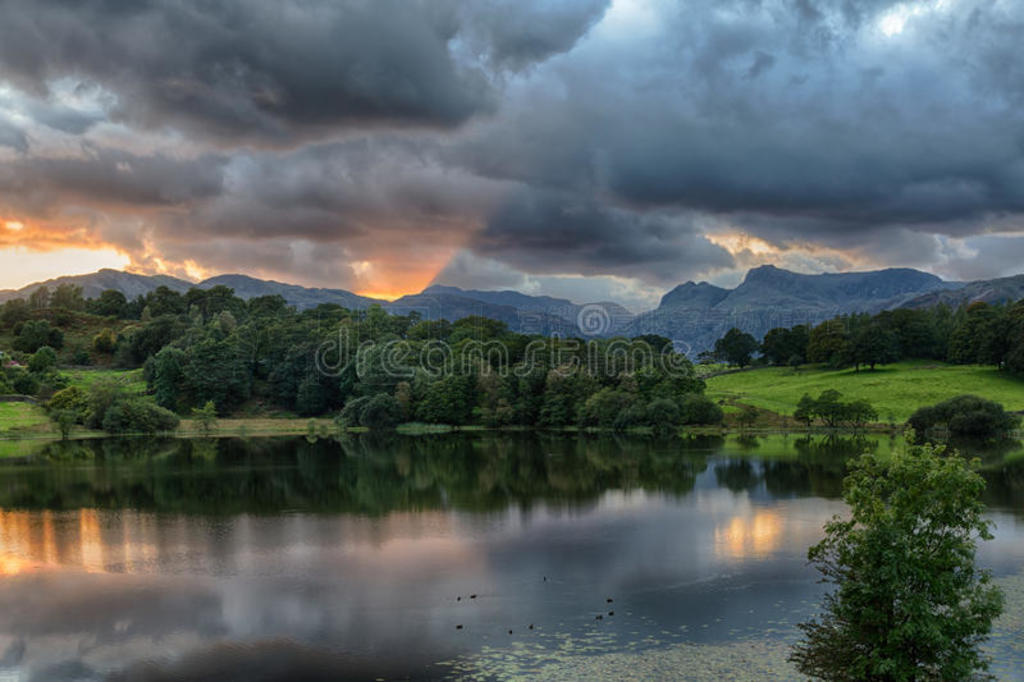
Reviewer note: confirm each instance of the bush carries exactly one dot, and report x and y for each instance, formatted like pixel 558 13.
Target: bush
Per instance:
pixel 965 415
pixel 663 414
pixel 42 360
pixel 25 383
pixel 105 342
pixel 382 411
pixel 71 399
pixel 35 334
pixel 699 409
pixel 138 415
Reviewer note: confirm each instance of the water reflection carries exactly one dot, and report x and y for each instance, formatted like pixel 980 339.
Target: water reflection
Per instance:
pixel 277 559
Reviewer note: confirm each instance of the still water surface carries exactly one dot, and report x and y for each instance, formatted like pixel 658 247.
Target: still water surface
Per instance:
pixel 284 559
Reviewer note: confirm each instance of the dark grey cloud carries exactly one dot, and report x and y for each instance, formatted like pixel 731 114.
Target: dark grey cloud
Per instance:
pixel 249 69
pixel 549 137
pixel 13 137
pixel 112 179
pixel 546 232
pixel 736 111
pixel 517 33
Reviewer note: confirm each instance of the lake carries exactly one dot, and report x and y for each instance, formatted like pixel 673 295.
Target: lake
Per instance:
pixel 470 556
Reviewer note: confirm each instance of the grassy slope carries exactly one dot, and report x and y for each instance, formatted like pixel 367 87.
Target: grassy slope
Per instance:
pixel 895 390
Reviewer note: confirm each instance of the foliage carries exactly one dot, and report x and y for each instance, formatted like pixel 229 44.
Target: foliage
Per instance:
pixel 71 400
pixel 698 409
pixel 832 411
pixel 965 415
pixel 34 334
pixel 736 347
pixel 206 417
pixel 138 415
pixel 105 342
pixel 43 360
pixel 908 602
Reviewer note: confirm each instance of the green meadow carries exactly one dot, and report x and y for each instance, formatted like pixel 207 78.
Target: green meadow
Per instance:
pixel 894 390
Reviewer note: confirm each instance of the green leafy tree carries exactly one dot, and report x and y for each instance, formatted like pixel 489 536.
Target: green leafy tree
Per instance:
pixel 829 342
pixel 806 410
pixel 35 334
pixel 965 415
pixel 874 345
pixel 908 602
pixel 830 408
pixel 206 417
pixel 168 377
pixel 43 360
pixel 381 411
pixel 105 342
pixel 110 303
pixel 736 347
pixel 68 296
pixel 697 409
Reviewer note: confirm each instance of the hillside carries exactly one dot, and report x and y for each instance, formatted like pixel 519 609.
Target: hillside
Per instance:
pixel 1000 290
pixel 695 315
pixel 894 390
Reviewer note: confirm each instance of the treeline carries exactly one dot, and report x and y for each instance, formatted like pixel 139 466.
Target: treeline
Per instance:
pixel 368 367
pixel 979 333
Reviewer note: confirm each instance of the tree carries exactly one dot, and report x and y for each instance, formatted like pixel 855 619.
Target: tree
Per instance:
pixel 699 409
pixel 111 303
pixel 168 376
pixel 35 334
pixel 829 343
pixel 382 411
pixel 65 420
pixel 908 602
pixel 43 360
pixel 965 415
pixel 859 413
pixel 783 346
pixel 806 410
pixel 736 347
pixel 206 417
pixel 747 416
pixel 831 410
pixel 874 345
pixel 68 296
pixel 105 342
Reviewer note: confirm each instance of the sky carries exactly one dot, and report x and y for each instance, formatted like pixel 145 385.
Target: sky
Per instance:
pixel 592 149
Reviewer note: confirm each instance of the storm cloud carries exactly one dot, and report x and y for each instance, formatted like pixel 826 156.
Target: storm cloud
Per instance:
pixel 344 143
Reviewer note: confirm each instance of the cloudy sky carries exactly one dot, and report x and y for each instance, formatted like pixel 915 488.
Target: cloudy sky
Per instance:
pixel 586 148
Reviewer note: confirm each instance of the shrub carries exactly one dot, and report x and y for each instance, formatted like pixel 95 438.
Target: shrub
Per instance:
pixel 138 415
pixel 699 409
pixel 35 334
pixel 42 360
pixel 105 342
pixel 382 411
pixel 25 383
pixel 965 415
pixel 71 399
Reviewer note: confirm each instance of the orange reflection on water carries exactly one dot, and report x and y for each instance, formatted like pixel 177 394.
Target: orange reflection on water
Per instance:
pixel 34 541
pixel 749 536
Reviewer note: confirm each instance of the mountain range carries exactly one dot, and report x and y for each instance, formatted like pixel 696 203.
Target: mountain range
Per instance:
pixel 693 314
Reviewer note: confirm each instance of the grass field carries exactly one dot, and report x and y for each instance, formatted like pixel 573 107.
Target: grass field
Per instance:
pixel 894 390
pixel 21 417
pixel 131 380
